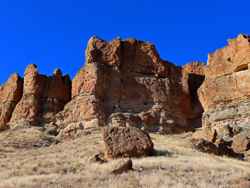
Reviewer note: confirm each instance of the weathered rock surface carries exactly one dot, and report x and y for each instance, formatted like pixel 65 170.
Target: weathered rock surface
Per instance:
pixel 127 77
pixel 123 79
pixel 227 74
pixel 42 97
pixel 10 93
pixel 125 85
pixel 126 142
pixel 124 120
pixel 241 142
pixel 71 130
pixel 225 94
pixel 222 148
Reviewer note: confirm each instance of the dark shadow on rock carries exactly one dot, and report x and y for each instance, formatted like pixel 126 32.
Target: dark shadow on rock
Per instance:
pixel 221 149
pixel 194 82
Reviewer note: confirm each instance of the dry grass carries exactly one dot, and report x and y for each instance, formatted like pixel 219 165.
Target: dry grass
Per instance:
pixel 67 165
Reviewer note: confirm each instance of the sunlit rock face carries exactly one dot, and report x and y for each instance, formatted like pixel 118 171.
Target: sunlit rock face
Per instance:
pixel 225 93
pixel 123 83
pixel 128 77
pixel 10 94
pixel 42 97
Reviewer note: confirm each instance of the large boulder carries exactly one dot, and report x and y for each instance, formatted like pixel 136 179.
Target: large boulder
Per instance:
pixel 129 77
pixel 42 97
pixel 225 94
pixel 126 142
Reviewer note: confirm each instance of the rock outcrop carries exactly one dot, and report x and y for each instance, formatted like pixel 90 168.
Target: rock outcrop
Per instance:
pixel 10 94
pixel 42 97
pixel 127 77
pixel 225 95
pixel 125 85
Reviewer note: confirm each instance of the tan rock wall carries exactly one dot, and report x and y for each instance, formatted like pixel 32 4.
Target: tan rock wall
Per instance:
pixel 10 93
pixel 225 93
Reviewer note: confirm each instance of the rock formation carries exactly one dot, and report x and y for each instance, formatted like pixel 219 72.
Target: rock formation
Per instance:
pixel 10 94
pixel 125 83
pixel 127 77
pixel 42 97
pixel 225 95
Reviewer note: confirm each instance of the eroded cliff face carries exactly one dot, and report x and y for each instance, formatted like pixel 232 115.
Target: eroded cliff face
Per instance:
pixel 225 94
pixel 42 97
pixel 124 82
pixel 10 94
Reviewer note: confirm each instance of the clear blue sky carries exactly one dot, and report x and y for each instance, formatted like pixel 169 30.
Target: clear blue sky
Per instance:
pixel 54 33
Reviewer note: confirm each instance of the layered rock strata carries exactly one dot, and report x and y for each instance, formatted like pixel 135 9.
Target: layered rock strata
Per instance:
pixel 225 95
